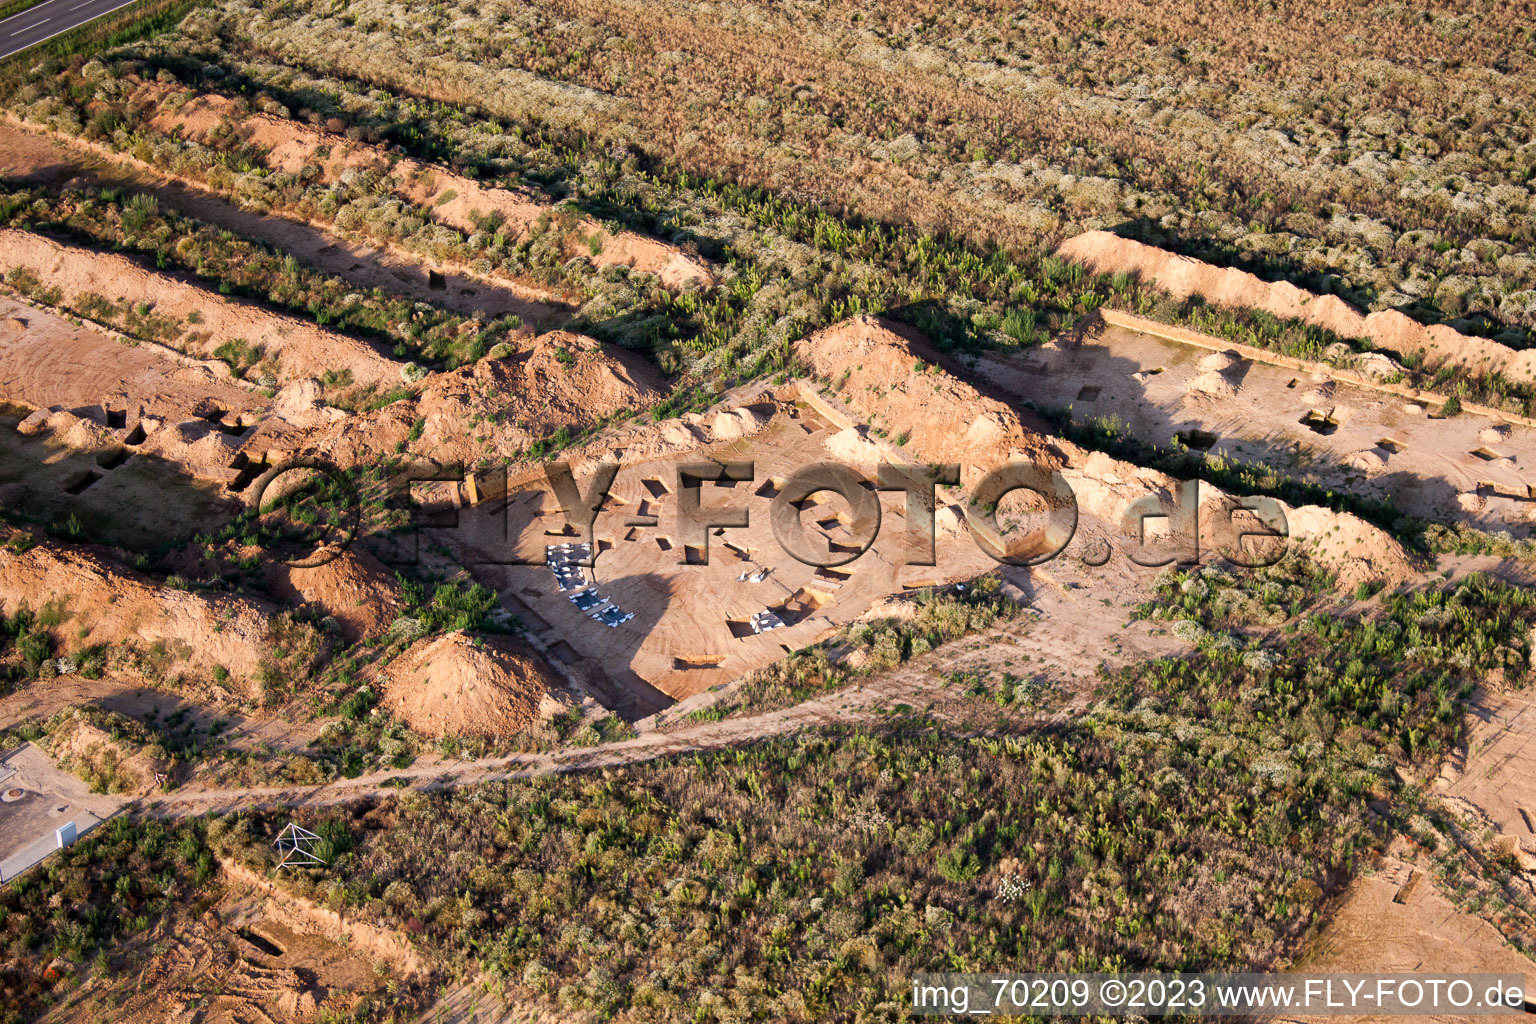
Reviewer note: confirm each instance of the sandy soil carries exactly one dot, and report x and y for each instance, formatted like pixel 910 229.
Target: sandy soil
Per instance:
pixel 254 957
pixel 89 744
pixel 47 362
pixel 354 588
pixel 299 348
pixel 130 696
pixel 1303 420
pixel 497 407
pixel 1182 276
pixel 888 378
pixel 1494 772
pixel 27 154
pixel 1396 920
pixel 451 199
pixel 463 685
pixel 108 604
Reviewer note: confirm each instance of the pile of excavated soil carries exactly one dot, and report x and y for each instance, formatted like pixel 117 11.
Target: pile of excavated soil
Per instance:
pixel 354 588
pixel 881 377
pixel 889 380
pixel 1218 376
pixel 462 203
pixel 500 406
pixel 91 389
pixel 1356 551
pixel 1182 277
pixel 105 603
pixel 300 348
pixel 461 685
pixel 47 362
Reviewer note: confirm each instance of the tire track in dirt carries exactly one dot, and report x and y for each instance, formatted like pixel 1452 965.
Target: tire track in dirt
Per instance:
pixel 921 685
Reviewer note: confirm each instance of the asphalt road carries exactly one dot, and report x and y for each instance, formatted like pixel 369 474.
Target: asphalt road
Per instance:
pixel 48 19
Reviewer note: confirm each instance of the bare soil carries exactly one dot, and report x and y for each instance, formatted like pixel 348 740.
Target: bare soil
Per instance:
pixel 462 203
pixel 1394 919
pixel 205 319
pixel 105 603
pixel 32 155
pixel 1182 276
pixel 463 685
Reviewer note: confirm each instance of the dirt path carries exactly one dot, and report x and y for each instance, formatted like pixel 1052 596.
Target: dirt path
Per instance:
pixel 41 700
pixel 33 158
pixel 917 688
pixel 1065 636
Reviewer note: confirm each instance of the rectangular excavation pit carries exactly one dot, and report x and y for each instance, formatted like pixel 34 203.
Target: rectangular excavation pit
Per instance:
pixel 247 473
pixel 113 459
pixel 694 554
pixel 697 661
pixel 261 942
pixel 117 419
pixel 1488 454
pixel 656 487
pixel 740 628
pixel 1319 422
pixel 82 482
pixel 665 543
pixel 770 488
pixel 135 436
pixel 1199 440
pixel 800 605
pixel 1390 445
pixel 1089 393
pixel 563 652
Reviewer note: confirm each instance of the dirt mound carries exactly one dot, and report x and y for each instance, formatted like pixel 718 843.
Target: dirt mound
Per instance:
pixel 49 362
pixel 1182 277
pixel 293 147
pixel 461 685
pixel 354 588
pixel 103 603
pixel 202 320
pixel 1356 551
pixel 890 381
pixel 499 407
pixel 881 377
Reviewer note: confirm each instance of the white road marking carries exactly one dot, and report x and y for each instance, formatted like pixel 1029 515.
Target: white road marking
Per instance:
pixel 66 28
pixel 30 10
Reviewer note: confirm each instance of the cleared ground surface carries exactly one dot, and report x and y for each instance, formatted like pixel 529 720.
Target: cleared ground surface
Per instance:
pixel 38 800
pixel 280 262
